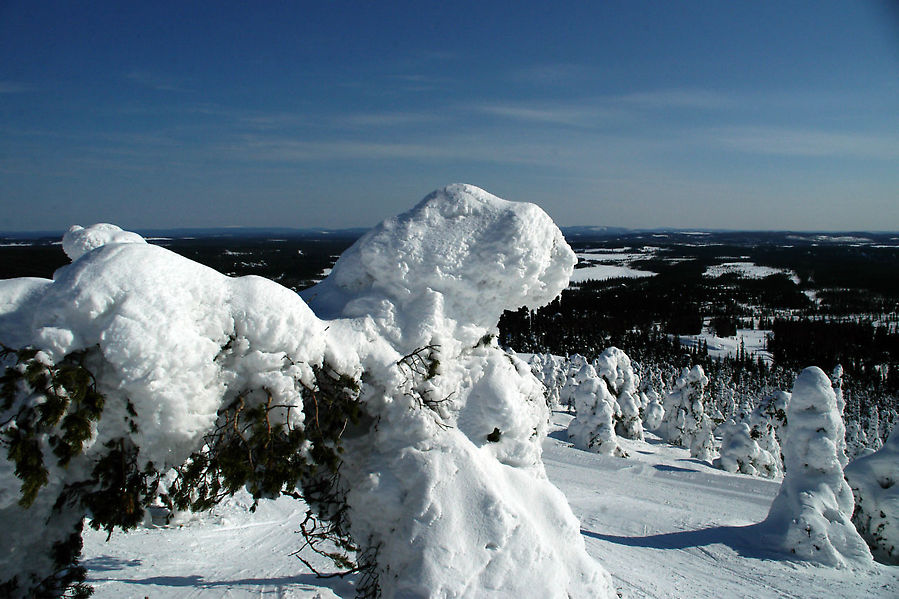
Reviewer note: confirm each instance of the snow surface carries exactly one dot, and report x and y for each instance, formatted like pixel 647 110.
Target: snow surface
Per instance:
pixel 600 264
pixel 666 526
pixel 747 270
pixel 753 341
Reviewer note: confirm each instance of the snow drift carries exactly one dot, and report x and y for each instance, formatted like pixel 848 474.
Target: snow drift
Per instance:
pixel 444 484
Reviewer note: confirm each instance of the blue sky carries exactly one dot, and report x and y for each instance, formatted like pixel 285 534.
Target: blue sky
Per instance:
pixel 740 115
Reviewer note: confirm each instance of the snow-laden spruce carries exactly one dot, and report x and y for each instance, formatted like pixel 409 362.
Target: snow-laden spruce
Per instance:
pixel 810 517
pixel 441 475
pixel 685 422
pixel 874 480
pixel 593 427
pixel 614 366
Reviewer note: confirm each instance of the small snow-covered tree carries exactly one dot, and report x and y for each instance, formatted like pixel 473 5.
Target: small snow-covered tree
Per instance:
pixel 873 429
pixel 874 480
pixel 593 427
pixel 685 422
pixel 549 371
pixel 653 412
pixel 740 452
pixel 810 516
pixel 614 366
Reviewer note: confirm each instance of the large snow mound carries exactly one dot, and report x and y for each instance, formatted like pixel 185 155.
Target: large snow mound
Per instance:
pixel 446 485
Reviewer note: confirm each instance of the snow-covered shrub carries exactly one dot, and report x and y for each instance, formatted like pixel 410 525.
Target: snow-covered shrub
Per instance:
pixel 810 517
pixel 685 422
pixel 549 370
pixel 614 366
pixel 593 427
pixel 571 370
pixel 874 480
pixel 741 452
pixel 217 377
pixel 653 412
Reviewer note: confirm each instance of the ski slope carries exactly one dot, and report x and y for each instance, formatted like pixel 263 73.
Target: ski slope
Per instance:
pixel 663 524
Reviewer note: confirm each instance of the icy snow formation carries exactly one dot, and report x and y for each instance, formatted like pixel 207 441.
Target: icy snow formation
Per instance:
pixel 810 515
pixel 447 484
pixel 874 480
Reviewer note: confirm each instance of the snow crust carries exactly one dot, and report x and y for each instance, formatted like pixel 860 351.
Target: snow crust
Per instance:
pixel 447 485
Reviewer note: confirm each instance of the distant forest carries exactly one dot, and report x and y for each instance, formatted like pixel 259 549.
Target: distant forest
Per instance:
pixel 843 310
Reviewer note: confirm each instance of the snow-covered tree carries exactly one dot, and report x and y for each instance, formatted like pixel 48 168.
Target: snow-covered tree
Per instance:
pixel 653 411
pixel 874 480
pixel 549 370
pixel 810 517
pixel 388 409
pixel 685 422
pixel 571 371
pixel 614 366
pixel 740 452
pixel 856 440
pixel 873 429
pixel 593 427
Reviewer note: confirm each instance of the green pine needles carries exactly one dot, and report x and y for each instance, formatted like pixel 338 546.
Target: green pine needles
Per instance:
pixel 52 411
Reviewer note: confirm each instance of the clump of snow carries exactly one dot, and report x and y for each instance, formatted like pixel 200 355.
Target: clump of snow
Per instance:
pixel 448 268
pixel 874 480
pixel 592 428
pixel 810 517
pixel 80 240
pixel 446 487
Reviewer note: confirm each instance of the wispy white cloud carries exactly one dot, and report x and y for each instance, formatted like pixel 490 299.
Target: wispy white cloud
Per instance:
pixel 387 119
pixel 783 141
pixel 678 98
pixel 551 73
pixel 155 81
pixel 14 87
pixel 576 115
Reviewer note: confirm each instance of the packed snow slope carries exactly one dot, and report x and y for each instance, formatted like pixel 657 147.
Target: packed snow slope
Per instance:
pixel 663 524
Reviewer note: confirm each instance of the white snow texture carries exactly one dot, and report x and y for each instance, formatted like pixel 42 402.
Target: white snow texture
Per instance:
pixel 455 497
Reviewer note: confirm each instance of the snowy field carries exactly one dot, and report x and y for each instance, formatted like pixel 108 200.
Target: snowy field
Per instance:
pixel 663 524
pixel 601 264
pixel 753 341
pixel 747 270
